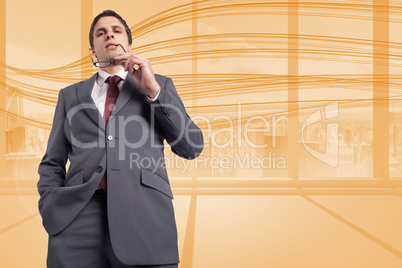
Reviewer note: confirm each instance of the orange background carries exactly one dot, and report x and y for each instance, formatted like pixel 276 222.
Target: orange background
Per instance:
pixel 323 192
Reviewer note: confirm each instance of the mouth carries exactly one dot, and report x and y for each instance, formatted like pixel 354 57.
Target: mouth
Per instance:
pixel 111 45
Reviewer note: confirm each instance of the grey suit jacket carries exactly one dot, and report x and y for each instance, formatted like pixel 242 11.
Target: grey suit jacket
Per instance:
pixel 130 149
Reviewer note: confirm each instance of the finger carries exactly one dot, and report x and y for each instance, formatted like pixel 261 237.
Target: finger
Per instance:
pixel 123 64
pixel 136 58
pixel 130 64
pixel 123 56
pixel 131 56
pixel 130 71
pixel 120 62
pixel 135 64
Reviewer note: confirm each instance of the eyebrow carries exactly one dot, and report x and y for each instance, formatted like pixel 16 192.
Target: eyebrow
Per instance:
pixel 104 29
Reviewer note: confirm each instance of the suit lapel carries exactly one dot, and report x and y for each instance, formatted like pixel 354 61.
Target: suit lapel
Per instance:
pixel 84 90
pixel 129 89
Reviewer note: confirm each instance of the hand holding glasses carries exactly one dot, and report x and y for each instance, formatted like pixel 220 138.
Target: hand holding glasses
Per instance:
pixel 104 64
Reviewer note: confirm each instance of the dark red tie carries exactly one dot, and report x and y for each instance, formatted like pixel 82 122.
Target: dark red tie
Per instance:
pixel 112 94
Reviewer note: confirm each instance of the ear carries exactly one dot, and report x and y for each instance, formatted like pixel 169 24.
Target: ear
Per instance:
pixel 93 52
pixel 129 48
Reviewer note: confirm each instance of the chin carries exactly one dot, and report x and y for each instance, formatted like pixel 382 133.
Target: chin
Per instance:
pixel 110 56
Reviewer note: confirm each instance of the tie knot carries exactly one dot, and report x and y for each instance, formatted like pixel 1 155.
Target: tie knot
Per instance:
pixel 115 79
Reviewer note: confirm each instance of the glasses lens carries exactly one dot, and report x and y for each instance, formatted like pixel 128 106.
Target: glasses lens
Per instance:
pixel 103 64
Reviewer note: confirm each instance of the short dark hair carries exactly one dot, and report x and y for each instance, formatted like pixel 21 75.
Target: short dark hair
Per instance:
pixel 109 13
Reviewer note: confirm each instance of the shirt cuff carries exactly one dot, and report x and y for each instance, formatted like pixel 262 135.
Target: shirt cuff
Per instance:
pixel 154 99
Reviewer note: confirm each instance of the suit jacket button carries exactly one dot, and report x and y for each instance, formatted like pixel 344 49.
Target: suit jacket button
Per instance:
pixel 99 169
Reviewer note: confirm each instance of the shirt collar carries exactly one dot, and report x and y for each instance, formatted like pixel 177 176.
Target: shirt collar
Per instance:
pixel 103 75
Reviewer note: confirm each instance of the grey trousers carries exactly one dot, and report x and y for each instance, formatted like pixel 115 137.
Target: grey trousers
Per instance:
pixel 85 243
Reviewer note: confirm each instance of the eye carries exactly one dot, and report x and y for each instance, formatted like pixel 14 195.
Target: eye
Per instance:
pixel 100 33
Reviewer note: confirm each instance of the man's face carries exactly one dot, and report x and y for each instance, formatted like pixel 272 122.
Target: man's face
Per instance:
pixel 108 32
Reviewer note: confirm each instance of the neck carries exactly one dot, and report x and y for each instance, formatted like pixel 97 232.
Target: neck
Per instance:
pixel 113 69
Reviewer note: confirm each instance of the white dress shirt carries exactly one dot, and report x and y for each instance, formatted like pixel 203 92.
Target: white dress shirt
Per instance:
pixel 99 91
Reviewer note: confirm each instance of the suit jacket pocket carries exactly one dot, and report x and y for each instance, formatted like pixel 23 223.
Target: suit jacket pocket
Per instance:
pixel 64 203
pixel 150 179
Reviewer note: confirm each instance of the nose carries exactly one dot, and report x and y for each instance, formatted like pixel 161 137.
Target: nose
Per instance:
pixel 109 36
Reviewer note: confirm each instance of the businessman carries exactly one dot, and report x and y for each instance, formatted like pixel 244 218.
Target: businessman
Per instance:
pixel 113 207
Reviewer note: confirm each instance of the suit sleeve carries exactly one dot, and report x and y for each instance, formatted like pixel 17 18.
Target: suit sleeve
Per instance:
pixel 52 169
pixel 181 133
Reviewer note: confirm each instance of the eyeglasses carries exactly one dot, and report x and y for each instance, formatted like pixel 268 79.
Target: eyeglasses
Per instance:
pixel 104 64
